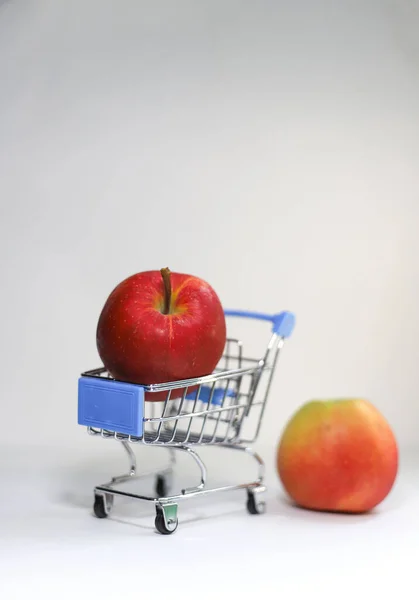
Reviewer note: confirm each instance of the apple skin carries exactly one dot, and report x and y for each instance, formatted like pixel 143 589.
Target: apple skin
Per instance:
pixel 140 344
pixel 337 455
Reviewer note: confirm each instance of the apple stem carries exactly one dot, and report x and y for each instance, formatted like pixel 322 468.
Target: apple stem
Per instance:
pixel 165 273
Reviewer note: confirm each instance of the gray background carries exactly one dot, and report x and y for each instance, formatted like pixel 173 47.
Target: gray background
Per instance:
pixel 269 147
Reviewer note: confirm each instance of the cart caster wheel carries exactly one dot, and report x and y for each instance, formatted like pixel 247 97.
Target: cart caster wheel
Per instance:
pixel 255 506
pixel 162 486
pixel 166 519
pixel 102 505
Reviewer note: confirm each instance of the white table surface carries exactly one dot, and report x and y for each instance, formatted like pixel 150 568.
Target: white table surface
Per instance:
pixel 50 542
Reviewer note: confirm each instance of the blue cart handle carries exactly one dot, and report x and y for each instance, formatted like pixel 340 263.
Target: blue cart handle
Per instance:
pixel 282 323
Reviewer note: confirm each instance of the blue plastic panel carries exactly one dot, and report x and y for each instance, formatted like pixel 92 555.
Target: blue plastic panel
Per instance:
pixel 205 393
pixel 111 405
pixel 282 323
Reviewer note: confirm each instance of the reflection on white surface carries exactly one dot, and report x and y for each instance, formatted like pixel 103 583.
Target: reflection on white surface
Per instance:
pixel 49 533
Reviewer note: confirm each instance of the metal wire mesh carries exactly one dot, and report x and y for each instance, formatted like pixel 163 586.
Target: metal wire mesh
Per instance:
pixel 207 410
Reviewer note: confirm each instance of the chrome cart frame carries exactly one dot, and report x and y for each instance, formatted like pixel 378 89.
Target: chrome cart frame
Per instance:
pixel 224 409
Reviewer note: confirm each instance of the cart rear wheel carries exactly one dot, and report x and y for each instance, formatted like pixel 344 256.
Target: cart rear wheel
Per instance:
pixel 254 505
pixel 102 505
pixel 162 486
pixel 163 525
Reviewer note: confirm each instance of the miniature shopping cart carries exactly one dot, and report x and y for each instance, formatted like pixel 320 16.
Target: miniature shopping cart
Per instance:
pixel 223 409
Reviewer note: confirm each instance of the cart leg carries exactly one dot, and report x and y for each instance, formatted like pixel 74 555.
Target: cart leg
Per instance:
pixel 132 458
pixel 255 455
pixel 132 465
pixel 259 460
pixel 201 466
pixel 255 503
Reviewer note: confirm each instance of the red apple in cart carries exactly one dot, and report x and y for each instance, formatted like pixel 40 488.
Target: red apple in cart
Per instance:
pixel 158 326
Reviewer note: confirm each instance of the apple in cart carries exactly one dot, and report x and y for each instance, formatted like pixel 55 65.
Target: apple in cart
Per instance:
pixel 159 326
pixel 337 455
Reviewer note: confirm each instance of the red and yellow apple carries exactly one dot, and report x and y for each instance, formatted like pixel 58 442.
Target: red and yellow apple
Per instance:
pixel 337 455
pixel 158 326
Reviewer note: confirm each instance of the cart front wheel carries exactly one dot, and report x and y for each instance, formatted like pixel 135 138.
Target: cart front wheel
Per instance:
pixel 254 505
pixel 166 519
pixel 102 505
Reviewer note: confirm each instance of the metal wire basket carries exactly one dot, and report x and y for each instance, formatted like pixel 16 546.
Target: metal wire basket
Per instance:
pixel 224 409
